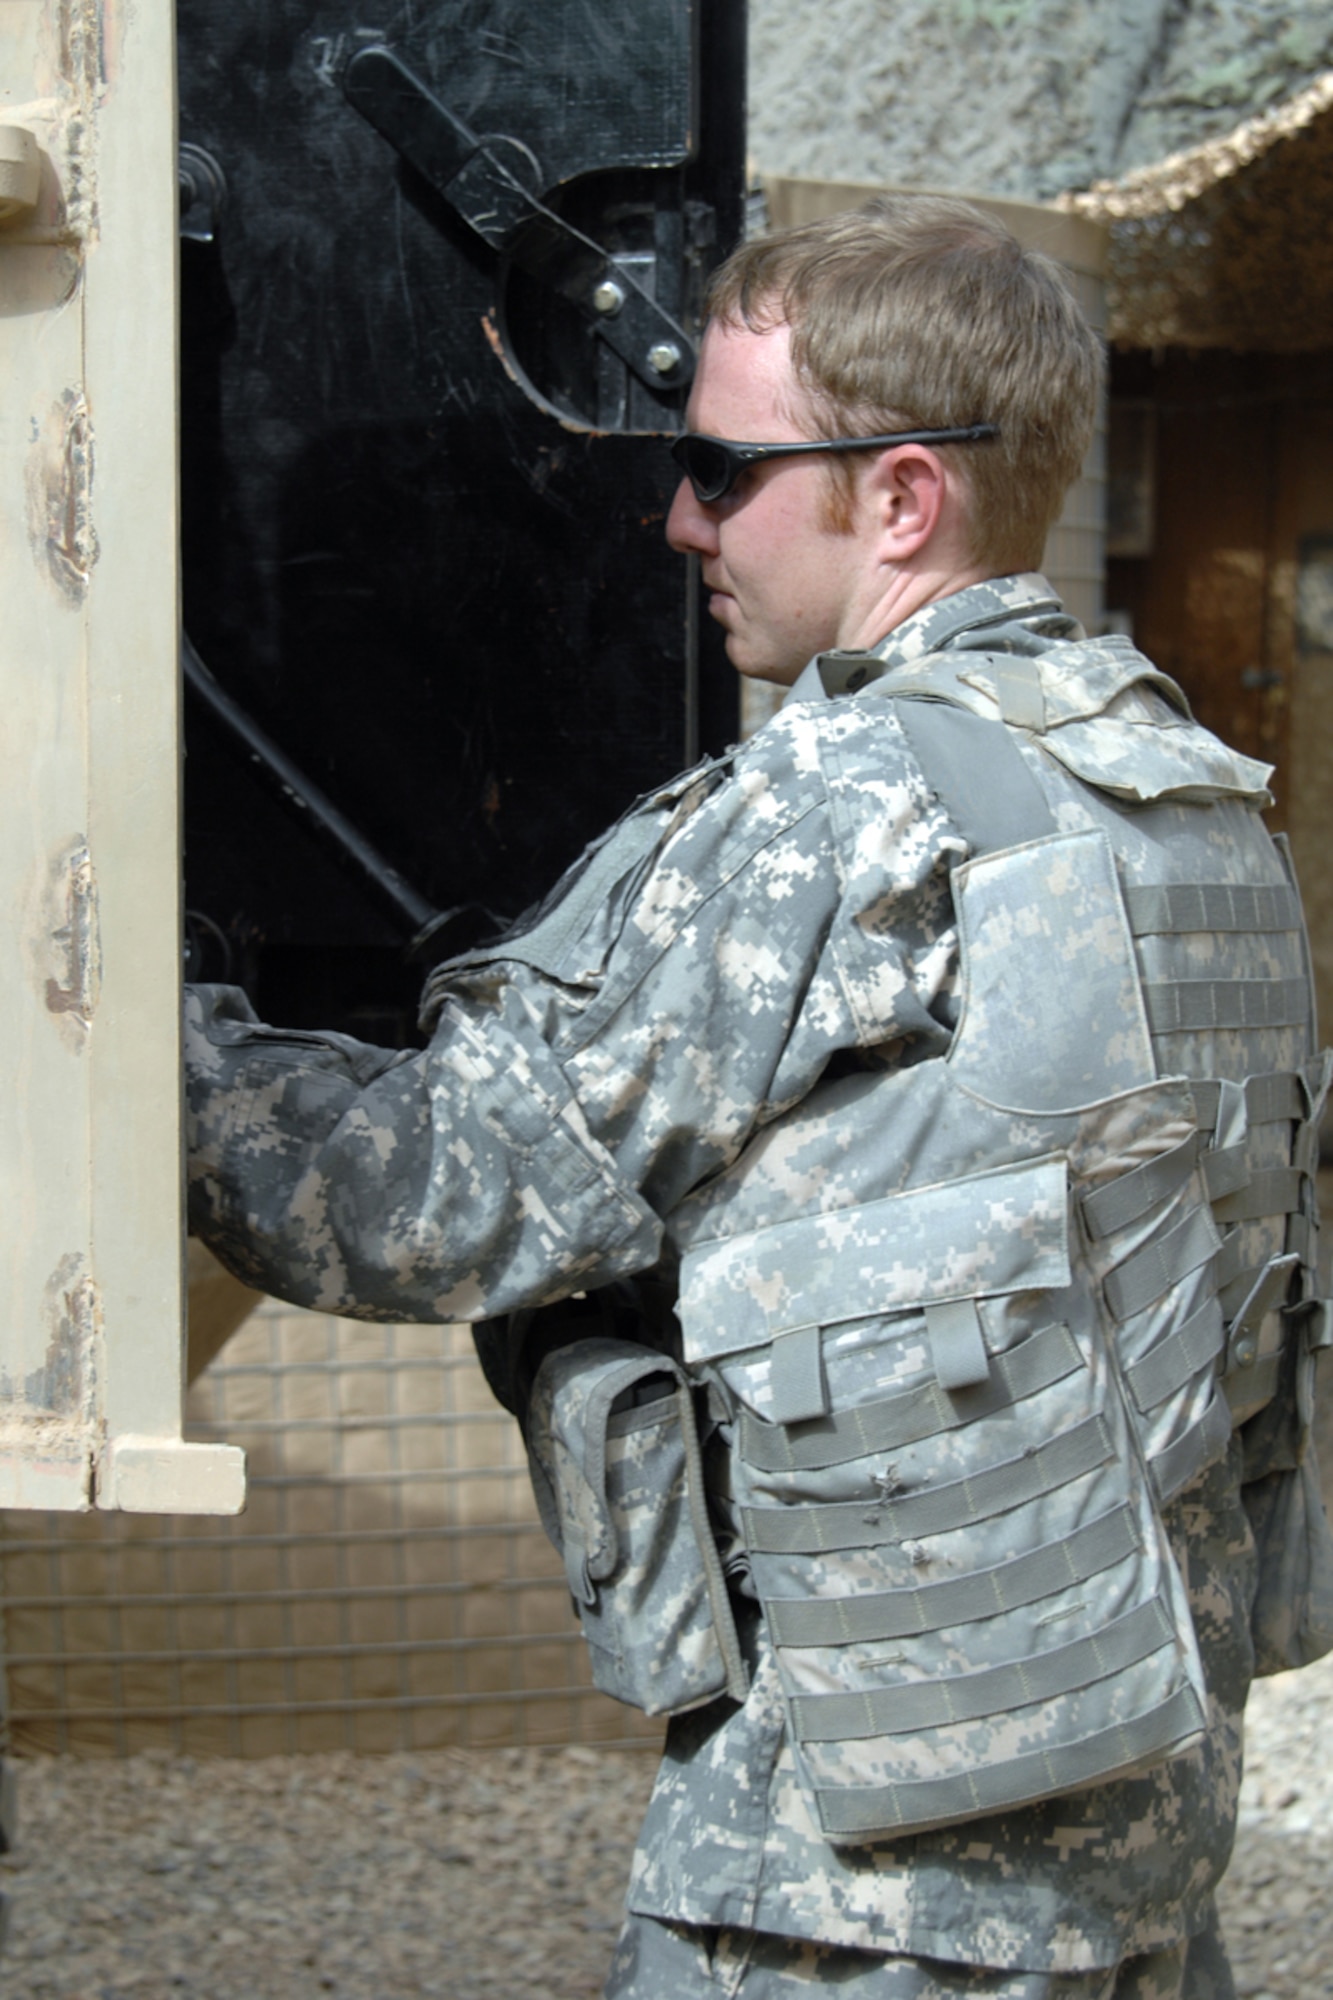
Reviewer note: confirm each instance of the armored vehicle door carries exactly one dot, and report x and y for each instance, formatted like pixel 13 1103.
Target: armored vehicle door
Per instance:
pixel 442 266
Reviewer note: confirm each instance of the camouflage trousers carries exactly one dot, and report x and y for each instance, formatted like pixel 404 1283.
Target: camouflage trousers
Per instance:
pixel 655 1960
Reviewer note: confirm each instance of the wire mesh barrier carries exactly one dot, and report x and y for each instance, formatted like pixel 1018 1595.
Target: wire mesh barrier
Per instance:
pixel 387 1588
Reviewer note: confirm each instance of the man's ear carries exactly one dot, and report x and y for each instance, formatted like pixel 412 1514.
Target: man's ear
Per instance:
pixel 912 495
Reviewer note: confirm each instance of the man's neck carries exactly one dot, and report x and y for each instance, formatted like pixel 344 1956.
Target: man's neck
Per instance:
pixel 903 593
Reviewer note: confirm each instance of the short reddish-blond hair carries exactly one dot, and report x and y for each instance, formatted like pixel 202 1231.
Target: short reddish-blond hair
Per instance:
pixel 923 311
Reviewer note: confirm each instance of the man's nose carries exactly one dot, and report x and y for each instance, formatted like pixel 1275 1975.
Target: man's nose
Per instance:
pixel 691 528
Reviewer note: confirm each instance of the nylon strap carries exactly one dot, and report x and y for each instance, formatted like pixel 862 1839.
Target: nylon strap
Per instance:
pixel 957 1345
pixel 1176 907
pixel 1191 1006
pixel 1169 1366
pixel 1202 1444
pixel 1122 1201
pixel 1270 1098
pixel 903 1710
pixel 923 1802
pixel 1019 692
pixel 797 1378
pixel 976 770
pixel 1045 1357
pixel 1315 1319
pixel 803 1530
pixel 1163 1262
pixel 958 1600
pixel 1305 1151
pixel 1224 1172
pixel 1232 1277
pixel 1303 1238
pixel 1271 1191
pixel 1275 1096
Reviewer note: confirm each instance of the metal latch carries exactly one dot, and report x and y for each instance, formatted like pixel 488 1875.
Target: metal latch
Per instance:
pixel 488 193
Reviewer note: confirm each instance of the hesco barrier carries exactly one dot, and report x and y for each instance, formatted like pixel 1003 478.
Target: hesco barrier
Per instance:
pixel 387 1588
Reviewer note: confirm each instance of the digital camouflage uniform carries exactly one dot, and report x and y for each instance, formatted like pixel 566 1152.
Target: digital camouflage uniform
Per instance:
pixel 651 1064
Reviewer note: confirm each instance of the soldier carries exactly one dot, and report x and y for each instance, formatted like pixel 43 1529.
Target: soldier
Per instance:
pixel 945 1056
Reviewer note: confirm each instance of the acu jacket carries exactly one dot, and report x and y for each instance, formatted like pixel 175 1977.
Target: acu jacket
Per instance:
pixel 953 1043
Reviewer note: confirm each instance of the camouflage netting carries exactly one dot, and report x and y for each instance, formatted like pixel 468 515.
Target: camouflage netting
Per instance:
pixel 1200 128
pixel 1227 244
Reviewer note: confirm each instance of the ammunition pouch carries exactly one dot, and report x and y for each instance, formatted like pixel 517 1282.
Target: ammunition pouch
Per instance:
pixel 614 1451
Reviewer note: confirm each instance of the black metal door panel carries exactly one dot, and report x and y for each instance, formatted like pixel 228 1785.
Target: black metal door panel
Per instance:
pixel 423 471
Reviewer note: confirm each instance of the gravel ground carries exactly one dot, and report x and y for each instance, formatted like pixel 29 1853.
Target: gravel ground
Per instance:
pixel 466 1874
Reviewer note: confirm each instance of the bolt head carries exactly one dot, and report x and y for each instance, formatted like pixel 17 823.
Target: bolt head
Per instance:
pixel 608 298
pixel 664 357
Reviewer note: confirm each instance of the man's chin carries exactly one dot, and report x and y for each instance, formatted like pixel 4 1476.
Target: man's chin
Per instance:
pixel 752 664
pixel 753 668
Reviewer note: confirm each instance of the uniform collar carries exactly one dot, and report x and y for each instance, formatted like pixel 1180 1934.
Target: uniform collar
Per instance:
pixel 1005 614
pixel 1101 709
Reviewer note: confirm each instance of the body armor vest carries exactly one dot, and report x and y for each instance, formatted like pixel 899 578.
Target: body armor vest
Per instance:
pixel 1018 1297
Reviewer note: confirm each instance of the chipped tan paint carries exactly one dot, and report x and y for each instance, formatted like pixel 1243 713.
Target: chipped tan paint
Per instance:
pixel 51 1421
pixel 67 1383
pixel 83 71
pixel 60 497
pixel 79 25
pixel 62 1395
pixel 75 988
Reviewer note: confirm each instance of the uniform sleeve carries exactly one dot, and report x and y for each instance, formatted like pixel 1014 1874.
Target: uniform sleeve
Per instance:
pixel 692 982
pixel 435 1185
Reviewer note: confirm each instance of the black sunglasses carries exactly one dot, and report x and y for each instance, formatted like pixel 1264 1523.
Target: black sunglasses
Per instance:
pixel 713 465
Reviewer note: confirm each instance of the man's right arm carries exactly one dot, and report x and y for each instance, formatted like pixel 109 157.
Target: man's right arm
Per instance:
pixel 584 1076
pixel 438 1184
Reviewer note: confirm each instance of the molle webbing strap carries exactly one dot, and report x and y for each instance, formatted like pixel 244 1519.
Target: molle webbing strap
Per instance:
pixel 975 769
pixel 1045 1357
pixel 1180 907
pixel 1303 1238
pixel 807 1530
pixel 1305 1152
pixel 1169 1366
pixel 1225 1172
pixel 1270 1099
pixel 1161 1263
pixel 957 1344
pixel 1193 1006
pixel 1121 1202
pixel 1270 1191
pixel 922 1802
pixel 1274 1097
pixel 902 1710
pixel 1202 1444
pixel 958 1600
pixel 797 1376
